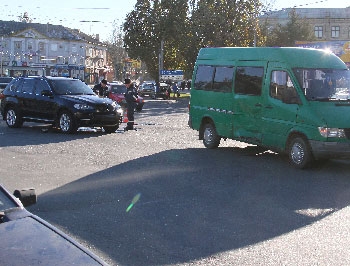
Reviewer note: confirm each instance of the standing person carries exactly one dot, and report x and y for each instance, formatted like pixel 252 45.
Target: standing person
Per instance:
pixel 183 85
pixel 101 88
pixel 175 90
pixel 130 97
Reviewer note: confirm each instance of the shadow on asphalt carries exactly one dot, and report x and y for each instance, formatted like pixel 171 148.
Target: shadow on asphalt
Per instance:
pixel 193 203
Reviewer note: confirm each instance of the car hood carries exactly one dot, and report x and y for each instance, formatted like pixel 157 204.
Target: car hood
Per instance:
pixel 32 241
pixel 86 99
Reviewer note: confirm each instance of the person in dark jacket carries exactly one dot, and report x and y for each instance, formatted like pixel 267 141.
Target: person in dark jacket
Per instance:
pixel 101 88
pixel 130 97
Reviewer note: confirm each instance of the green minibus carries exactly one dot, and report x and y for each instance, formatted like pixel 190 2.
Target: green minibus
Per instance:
pixel 288 100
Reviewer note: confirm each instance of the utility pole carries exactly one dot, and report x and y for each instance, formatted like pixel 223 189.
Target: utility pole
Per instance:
pixel 161 55
pixel 2 52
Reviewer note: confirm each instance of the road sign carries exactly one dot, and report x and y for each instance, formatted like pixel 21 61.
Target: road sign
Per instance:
pixel 173 75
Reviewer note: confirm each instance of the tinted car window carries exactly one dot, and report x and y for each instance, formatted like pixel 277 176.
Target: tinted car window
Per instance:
pixel 249 80
pixel 204 77
pixel 28 86
pixel 223 79
pixel 15 85
pixel 40 86
pixel 70 86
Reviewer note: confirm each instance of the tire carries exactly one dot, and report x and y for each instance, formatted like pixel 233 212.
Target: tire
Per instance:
pixel 13 120
pixel 67 123
pixel 211 139
pixel 110 129
pixel 299 153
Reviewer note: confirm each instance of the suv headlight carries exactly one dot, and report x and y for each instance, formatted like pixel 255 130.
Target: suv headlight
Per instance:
pixel 82 106
pixel 332 132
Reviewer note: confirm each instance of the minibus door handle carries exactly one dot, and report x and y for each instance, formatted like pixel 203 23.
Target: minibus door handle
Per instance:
pixel 269 107
pixel 258 105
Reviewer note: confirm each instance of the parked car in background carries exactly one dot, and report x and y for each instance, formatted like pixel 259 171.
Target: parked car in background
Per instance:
pixel 163 92
pixel 66 103
pixel 27 239
pixel 4 81
pixel 146 89
pixel 116 92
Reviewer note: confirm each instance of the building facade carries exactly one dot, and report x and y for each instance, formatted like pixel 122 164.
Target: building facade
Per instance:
pixel 45 49
pixel 330 25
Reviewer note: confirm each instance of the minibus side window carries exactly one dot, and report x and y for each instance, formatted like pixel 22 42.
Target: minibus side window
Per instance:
pixel 282 88
pixel 249 80
pixel 223 79
pixel 204 78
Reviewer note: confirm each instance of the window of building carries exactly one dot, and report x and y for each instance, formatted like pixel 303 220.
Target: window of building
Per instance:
pixel 335 31
pixel 41 46
pixel 249 80
pixel 54 47
pixel 18 45
pixel 74 48
pixel 30 46
pixel 318 31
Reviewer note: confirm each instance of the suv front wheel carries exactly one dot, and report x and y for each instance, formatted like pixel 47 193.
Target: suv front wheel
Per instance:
pixel 12 118
pixel 67 122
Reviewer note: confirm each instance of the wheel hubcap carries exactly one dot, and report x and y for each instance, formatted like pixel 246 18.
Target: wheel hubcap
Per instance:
pixel 65 122
pixel 208 135
pixel 11 117
pixel 297 153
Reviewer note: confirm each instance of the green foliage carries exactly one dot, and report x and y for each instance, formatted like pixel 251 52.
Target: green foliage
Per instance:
pixel 186 26
pixel 296 29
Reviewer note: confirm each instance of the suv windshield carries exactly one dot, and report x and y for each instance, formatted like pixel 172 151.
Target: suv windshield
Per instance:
pixel 324 84
pixel 70 86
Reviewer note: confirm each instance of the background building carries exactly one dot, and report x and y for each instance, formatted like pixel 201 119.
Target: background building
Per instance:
pixel 331 27
pixel 45 49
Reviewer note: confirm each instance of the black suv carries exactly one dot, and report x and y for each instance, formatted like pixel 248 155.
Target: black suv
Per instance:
pixel 65 102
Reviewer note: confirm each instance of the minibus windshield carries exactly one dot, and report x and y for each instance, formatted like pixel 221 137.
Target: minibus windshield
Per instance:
pixel 324 84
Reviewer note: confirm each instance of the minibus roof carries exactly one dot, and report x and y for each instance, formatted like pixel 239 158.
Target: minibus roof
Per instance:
pixel 294 57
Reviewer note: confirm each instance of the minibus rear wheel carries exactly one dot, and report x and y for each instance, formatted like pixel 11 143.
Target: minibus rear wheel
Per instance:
pixel 299 152
pixel 211 139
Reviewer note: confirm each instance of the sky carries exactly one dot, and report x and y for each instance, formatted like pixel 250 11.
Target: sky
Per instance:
pixel 98 17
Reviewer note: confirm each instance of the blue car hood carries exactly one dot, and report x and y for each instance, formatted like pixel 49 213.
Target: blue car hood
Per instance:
pixel 32 241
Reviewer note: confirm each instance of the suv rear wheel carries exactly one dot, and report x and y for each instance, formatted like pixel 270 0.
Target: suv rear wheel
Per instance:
pixel 67 122
pixel 12 118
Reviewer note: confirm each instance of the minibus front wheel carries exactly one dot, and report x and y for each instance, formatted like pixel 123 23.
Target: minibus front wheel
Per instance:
pixel 299 152
pixel 211 139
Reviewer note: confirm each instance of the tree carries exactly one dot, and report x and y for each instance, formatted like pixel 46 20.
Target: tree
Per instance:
pixel 150 24
pixel 116 51
pixel 186 26
pixel 296 29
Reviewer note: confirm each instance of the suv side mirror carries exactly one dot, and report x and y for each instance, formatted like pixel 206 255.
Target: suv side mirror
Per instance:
pixel 26 196
pixel 46 93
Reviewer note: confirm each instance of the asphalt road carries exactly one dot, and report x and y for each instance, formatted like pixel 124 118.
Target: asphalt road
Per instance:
pixel 229 206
